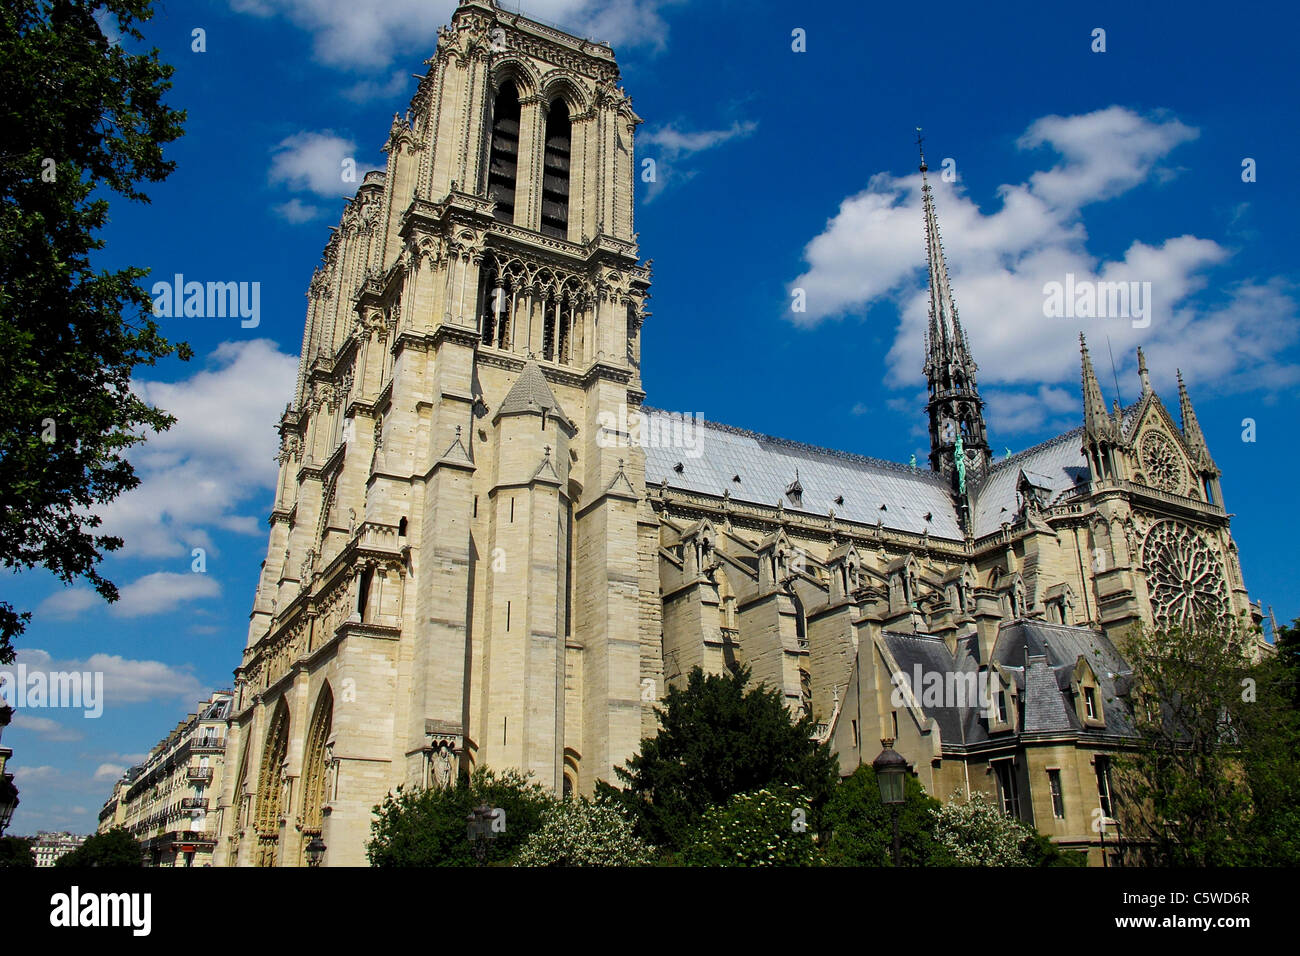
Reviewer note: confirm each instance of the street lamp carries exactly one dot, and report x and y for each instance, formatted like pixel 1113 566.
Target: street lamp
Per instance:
pixel 8 801
pixel 478 827
pixel 315 851
pixel 891 776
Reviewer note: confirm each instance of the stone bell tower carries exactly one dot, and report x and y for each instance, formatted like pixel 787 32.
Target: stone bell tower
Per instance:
pixel 458 539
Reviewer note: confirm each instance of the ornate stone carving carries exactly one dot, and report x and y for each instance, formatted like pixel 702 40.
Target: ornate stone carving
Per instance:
pixel 1184 576
pixel 1163 463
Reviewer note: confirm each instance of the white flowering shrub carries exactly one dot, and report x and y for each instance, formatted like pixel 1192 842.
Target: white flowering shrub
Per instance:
pixel 584 833
pixel 768 827
pixel 978 833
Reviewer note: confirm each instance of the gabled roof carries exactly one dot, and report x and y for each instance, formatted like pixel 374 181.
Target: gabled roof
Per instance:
pixel 1057 464
pixel 766 466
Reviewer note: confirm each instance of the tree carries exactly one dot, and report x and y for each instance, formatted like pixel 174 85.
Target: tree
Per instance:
pixel 584 833
pixel 16 852
pixel 1211 779
pixel 762 828
pixel 428 827
pixel 718 739
pixel 116 848
pixel 80 118
pixel 861 830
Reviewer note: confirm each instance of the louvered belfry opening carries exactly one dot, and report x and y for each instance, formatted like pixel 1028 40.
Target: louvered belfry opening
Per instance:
pixel 555 171
pixel 503 162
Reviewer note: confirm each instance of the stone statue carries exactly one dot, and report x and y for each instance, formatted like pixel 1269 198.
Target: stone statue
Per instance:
pixel 959 459
pixel 443 775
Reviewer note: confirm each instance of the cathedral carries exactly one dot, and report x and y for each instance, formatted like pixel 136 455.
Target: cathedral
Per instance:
pixel 476 558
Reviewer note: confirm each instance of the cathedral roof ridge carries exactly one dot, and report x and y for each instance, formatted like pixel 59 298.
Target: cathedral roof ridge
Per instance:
pixel 790 443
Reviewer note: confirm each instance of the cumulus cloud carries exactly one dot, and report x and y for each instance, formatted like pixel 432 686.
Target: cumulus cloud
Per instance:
pixel 1001 260
pixel 315 162
pixel 671 146
pixel 296 211
pixel 369 36
pixel 210 468
pixel 45 728
pixel 126 681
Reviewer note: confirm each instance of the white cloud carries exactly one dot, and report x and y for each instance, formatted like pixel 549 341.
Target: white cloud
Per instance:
pixel 1000 261
pixel 316 162
pixel 364 91
pixel 214 462
pixel 126 681
pixel 670 146
pixel 45 728
pixel 369 36
pixel 109 772
pixel 296 211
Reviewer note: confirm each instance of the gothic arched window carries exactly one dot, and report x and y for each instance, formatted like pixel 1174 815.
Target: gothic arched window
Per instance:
pixel 555 171
pixel 503 159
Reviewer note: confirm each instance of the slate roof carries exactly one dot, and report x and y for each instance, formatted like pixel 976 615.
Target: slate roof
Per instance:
pixel 767 466
pixel 1062 647
pixel 957 725
pixel 1039 657
pixel 531 393
pixel 1057 464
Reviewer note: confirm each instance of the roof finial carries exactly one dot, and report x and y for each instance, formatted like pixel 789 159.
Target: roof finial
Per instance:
pixel 920 146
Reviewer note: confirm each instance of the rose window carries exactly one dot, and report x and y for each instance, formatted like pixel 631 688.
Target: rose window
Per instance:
pixel 1163 463
pixel 1184 576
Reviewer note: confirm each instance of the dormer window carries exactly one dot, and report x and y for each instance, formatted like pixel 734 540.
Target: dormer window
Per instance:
pixel 1090 702
pixel 794 491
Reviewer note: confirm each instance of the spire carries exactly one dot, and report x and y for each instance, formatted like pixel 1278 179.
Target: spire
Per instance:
pixel 947 341
pixel 1142 372
pixel 1096 422
pixel 1191 427
pixel 955 409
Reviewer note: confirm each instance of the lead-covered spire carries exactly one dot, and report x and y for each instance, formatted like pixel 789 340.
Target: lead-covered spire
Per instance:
pixel 955 408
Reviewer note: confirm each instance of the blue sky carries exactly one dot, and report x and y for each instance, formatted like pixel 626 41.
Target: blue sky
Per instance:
pixel 777 170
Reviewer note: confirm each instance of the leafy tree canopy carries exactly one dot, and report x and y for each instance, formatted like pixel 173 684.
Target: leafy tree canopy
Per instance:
pixel 762 828
pixel 718 739
pixel 584 833
pixel 16 852
pixel 116 848
pixel 861 830
pixel 80 118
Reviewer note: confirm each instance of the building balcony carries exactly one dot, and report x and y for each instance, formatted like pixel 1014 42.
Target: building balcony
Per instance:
pixel 194 803
pixel 203 774
pixel 213 745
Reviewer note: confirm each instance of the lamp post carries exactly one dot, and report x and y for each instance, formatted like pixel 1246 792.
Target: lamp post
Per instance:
pixel 8 792
pixel 478 827
pixel 891 776
pixel 315 851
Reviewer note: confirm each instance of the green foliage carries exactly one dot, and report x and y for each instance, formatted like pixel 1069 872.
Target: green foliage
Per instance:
pixel 81 119
pixel 861 829
pixel 428 827
pixel 1211 781
pixel 584 833
pixel 116 848
pixel 978 833
pixel 716 740
pixel 762 828
pixel 16 852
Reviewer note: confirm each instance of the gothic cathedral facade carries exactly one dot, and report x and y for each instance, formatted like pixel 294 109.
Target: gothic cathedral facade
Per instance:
pixel 471 562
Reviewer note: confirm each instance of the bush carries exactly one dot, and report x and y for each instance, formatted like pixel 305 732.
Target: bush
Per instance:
pixel 584 833
pixel 767 827
pixel 978 833
pixel 428 827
